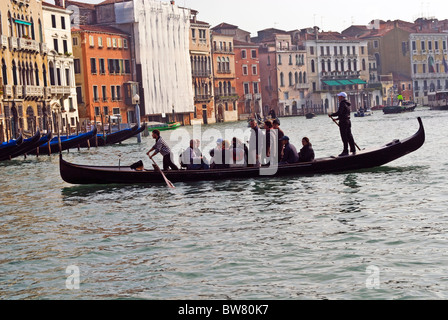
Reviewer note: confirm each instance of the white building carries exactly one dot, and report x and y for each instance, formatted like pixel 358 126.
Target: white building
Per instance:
pixel 57 29
pixel 337 63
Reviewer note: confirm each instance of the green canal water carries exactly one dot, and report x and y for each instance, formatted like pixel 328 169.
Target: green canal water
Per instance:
pixel 375 234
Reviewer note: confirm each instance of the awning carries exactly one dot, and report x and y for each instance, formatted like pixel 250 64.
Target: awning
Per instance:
pixel 358 81
pixel 332 83
pixel 346 82
pixel 22 22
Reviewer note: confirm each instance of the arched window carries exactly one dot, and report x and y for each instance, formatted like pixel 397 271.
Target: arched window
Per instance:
pixel 297 60
pixel 32 29
pixel 228 64
pixel 342 65
pixel 355 65
pixel 304 77
pixel 36 73
pixel 4 72
pixel 41 38
pixel 323 66
pixel 44 74
pixel 296 76
pixel 51 71
pixel 364 64
pixel 336 65
pixel 290 79
pixel 269 60
pixel 220 88
pixel 279 59
pixel 313 67
pixel 300 77
pixel 282 79
pixel 219 64
pixel 30 119
pixel 290 59
pixel 14 73
pixel 349 62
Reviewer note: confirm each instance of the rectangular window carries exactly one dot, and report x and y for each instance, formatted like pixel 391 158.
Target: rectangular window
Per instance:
pixel 93 65
pixel 245 71
pixel 243 54
pixel 414 45
pixel 116 111
pixel 97 111
pixel 120 43
pixel 127 66
pixel 67 77
pixel 322 51
pixel 112 93
pixel 58 75
pixel 348 50
pixel 102 66
pixel 53 21
pixel 254 54
pixel 63 23
pixel 444 45
pixel 256 90
pixel 125 43
pixel 77 66
pixel 75 41
pixel 100 42
pixel 91 41
pixel 312 50
pixel 56 45
pixel 79 95
pixel 429 45
pixel 109 42
pixel 106 110
pixel 95 94
pixel 119 93
pixel 65 46
pixel 193 33
pixel 114 43
pixel 423 44
pixel 415 68
pixel 254 70
pixel 246 88
pixel 104 93
pixel 376 44
pixel 436 45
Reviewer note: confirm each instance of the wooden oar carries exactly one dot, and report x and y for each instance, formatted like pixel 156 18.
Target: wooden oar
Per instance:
pixel 340 126
pixel 168 182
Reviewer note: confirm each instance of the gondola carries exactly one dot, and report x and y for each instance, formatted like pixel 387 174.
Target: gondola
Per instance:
pixel 365 159
pixel 27 145
pixel 310 115
pixel 113 138
pixel 67 143
pixel 399 109
pixel 7 147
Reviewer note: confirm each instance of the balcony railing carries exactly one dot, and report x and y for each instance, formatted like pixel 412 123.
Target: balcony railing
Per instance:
pixel 28 45
pixel 299 86
pixel 13 43
pixel 60 90
pixel 257 96
pixel 205 74
pixel 202 97
pixel 7 91
pixel 33 91
pixel 4 41
pixel 248 97
pixel 18 92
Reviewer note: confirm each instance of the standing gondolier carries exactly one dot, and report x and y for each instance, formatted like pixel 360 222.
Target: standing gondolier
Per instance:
pixel 162 148
pixel 345 124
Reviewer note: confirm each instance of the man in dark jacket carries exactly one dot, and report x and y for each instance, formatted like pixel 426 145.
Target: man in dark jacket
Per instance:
pixel 290 154
pixel 345 124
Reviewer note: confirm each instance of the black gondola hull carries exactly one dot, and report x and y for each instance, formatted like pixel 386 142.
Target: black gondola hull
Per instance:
pixel 366 159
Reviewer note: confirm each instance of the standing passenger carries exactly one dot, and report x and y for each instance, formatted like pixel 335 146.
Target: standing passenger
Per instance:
pixel 162 148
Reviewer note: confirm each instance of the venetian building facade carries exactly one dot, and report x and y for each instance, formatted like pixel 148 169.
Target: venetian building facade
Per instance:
pixel 226 97
pixel 61 74
pixel 201 69
pixel 284 73
pixel 24 75
pixel 429 58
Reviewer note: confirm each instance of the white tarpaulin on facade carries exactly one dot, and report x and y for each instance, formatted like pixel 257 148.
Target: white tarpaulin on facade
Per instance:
pixel 162 49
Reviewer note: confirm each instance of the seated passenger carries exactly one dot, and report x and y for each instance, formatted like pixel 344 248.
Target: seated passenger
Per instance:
pixel 215 152
pixel 238 154
pixel 290 155
pixel 306 154
pixel 138 166
pixel 191 160
pixel 222 158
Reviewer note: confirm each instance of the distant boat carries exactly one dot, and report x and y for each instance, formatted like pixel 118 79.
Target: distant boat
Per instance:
pixel 438 100
pixel 310 115
pixel 407 107
pixel 363 113
pixel 163 126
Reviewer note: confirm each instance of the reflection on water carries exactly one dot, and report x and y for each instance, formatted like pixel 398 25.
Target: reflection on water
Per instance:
pixel 269 238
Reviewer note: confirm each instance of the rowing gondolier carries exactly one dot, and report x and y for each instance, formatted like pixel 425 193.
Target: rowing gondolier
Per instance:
pixel 345 124
pixel 162 148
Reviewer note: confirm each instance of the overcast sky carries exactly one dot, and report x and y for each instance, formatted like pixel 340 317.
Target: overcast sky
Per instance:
pixel 329 15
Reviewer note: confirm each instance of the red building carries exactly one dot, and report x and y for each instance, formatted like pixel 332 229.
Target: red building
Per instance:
pixel 247 72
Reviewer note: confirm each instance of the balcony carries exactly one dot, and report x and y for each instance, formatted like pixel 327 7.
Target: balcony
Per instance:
pixel 4 41
pixel 13 43
pixel 331 75
pixel 28 45
pixel 248 97
pixel 60 91
pixel 7 91
pixel 300 86
pixel 257 96
pixel 202 74
pixel 202 97
pixel 33 91
pixel 232 95
pixel 18 92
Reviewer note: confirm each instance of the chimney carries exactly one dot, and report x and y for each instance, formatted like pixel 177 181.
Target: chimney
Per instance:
pixel 60 3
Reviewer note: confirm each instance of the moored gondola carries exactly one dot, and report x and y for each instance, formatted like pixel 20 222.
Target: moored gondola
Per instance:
pixel 365 159
pixel 7 148
pixel 26 146
pixel 66 143
pixel 113 138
